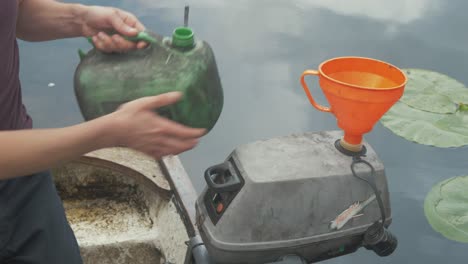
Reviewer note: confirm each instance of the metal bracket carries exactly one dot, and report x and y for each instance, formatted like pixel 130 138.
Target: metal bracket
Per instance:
pixel 196 252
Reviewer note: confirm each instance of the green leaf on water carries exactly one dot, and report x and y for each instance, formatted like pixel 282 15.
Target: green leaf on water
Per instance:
pixel 440 130
pixel 434 92
pixel 446 208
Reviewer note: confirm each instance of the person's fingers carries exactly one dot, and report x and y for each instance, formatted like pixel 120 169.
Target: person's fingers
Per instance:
pixel 166 126
pixel 121 44
pixel 174 129
pixel 106 42
pixel 121 26
pixel 164 146
pixel 131 20
pixel 99 44
pixel 153 102
pixel 141 45
pixel 174 145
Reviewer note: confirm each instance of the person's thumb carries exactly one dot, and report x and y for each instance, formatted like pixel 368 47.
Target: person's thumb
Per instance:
pixel 153 102
pixel 121 27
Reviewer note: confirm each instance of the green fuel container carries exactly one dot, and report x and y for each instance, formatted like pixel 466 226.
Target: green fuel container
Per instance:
pixel 104 81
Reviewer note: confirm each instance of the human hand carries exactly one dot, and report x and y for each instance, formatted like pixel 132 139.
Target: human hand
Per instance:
pixel 98 20
pixel 140 128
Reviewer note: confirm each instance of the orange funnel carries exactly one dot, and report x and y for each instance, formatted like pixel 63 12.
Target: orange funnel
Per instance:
pixel 359 91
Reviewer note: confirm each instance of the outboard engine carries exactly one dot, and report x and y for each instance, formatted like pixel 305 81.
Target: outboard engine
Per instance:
pixel 296 195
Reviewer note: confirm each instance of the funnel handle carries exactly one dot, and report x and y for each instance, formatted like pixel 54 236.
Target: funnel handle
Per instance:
pixel 307 91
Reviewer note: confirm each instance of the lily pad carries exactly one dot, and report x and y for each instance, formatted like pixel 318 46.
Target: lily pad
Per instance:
pixel 446 208
pixel 434 92
pixel 440 130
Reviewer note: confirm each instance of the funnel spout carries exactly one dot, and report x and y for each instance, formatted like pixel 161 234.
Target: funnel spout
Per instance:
pixel 351 142
pixel 352 139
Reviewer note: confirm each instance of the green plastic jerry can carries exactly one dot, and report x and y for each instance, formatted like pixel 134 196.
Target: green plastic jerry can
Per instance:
pixel 104 81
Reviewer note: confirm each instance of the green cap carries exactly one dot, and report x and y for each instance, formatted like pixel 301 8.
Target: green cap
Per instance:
pixel 183 37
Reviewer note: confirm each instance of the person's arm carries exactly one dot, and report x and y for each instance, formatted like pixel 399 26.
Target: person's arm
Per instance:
pixel 41 20
pixel 134 125
pixel 24 152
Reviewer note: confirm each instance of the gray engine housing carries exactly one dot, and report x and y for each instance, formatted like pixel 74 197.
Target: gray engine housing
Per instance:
pixel 280 196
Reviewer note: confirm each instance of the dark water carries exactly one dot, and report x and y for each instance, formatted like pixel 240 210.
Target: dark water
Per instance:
pixel 262 47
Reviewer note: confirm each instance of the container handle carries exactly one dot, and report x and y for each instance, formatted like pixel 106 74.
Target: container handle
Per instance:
pixel 307 91
pixel 141 36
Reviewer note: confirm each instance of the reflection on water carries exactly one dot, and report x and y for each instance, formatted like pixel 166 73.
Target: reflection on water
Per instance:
pixel 399 11
pixel 261 48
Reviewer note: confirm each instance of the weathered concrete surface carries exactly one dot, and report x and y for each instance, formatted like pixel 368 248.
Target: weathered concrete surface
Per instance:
pixel 133 160
pixel 120 207
pixel 121 253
